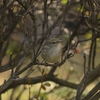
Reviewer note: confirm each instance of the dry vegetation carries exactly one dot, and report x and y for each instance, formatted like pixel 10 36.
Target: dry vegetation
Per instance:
pixel 25 25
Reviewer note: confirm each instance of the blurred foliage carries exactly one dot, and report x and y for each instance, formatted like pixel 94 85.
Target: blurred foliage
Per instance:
pixel 88 35
pixel 63 2
pixel 42 14
pixel 13 48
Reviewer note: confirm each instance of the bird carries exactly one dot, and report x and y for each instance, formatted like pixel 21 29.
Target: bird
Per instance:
pixel 52 50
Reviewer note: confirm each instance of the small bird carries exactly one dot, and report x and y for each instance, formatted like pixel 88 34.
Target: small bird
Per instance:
pixel 52 50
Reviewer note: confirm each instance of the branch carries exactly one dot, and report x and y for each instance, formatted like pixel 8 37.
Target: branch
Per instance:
pixel 92 92
pixel 36 80
pixel 87 79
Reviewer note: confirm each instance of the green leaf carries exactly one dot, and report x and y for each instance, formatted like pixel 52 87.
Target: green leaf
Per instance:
pixel 47 84
pixel 88 35
pixel 63 2
pixel 39 69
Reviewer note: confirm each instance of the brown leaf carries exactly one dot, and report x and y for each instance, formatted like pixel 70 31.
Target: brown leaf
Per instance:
pixel 43 87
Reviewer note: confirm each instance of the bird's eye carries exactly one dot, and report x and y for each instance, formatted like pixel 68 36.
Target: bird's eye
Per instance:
pixel 53 42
